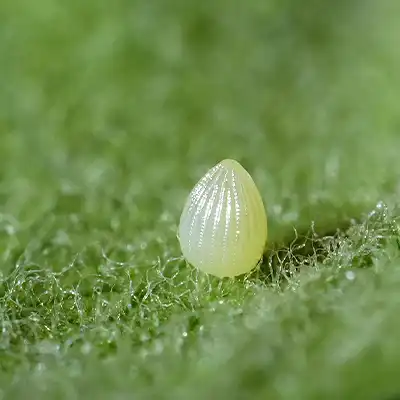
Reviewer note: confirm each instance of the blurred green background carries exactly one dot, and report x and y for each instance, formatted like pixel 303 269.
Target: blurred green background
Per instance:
pixel 132 102
pixel 111 111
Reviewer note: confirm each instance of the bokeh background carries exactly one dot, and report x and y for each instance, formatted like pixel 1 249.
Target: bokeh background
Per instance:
pixel 111 111
pixel 124 106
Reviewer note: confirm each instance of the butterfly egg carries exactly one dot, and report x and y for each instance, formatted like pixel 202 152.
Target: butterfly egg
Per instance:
pixel 223 226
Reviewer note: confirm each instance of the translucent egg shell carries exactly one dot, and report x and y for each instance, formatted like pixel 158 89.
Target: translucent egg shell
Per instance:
pixel 223 227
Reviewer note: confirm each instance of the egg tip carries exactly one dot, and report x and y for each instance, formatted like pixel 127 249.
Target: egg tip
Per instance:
pixel 231 164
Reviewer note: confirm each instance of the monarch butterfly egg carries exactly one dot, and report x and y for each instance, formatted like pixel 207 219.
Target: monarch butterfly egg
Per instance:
pixel 223 227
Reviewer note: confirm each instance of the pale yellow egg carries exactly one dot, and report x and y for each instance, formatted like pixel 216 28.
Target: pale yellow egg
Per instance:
pixel 223 227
